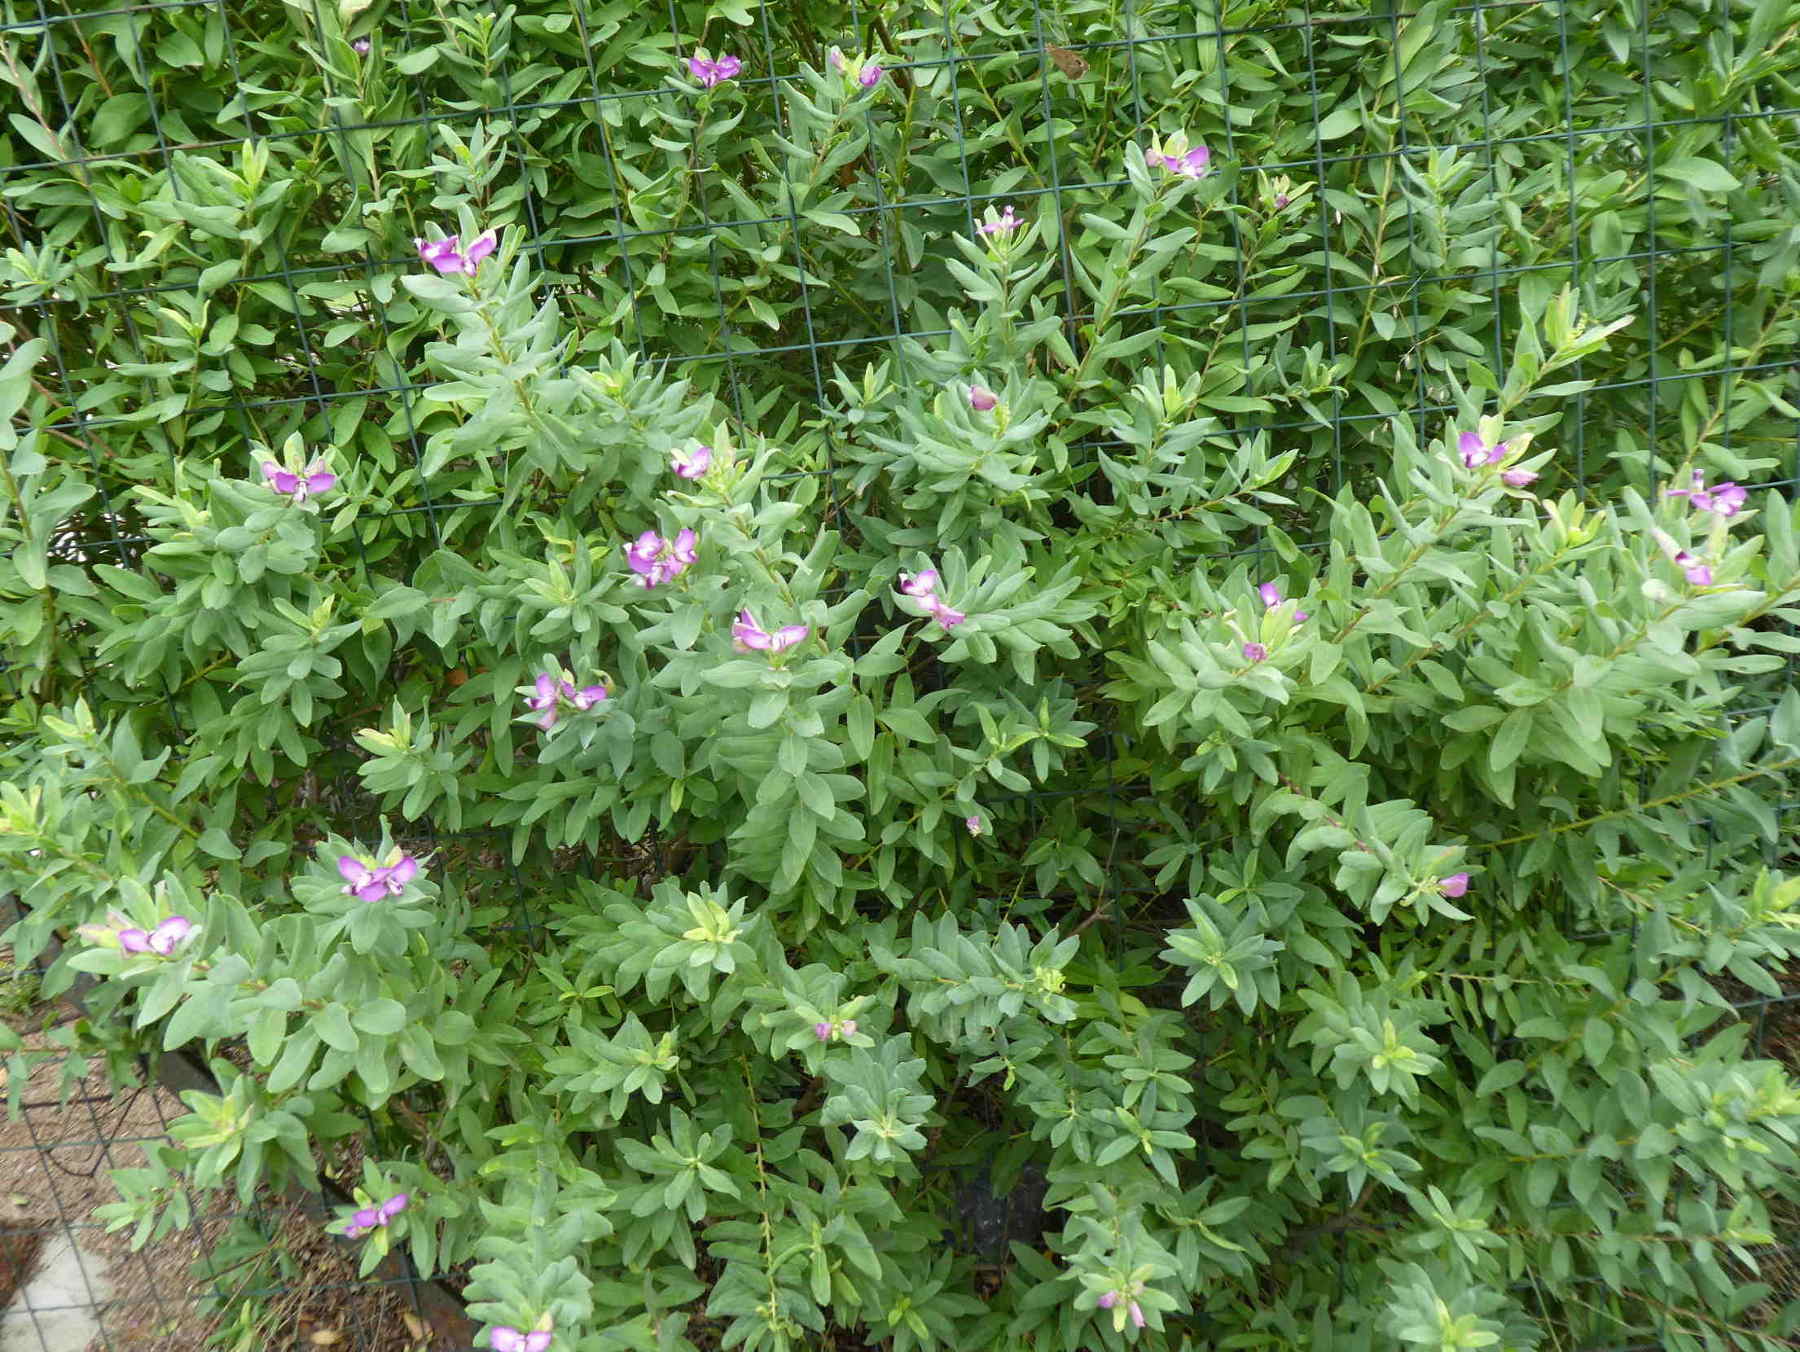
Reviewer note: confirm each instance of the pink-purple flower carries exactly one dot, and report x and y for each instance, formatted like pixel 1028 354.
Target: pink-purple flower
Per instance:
pixel 1518 478
pixel 509 1339
pixel 748 636
pixel 710 73
pixel 447 255
pixel 1255 652
pixel 1189 164
pixel 981 398
pixel 1696 569
pixel 1455 885
pixel 869 76
pixel 162 941
pixel 656 560
pixel 1475 452
pixel 360 46
pixel 552 692
pixel 308 483
pixel 375 1217
pixel 923 587
pixel 1110 1299
pixel 369 882
pixel 1005 224
pixel 1725 499
pixel 832 1030
pixel 973 824
pixel 691 464
pixel 1271 597
pixel 1137 1316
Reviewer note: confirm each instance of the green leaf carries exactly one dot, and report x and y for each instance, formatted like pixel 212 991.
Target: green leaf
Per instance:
pixel 1704 174
pixel 216 843
pixel 382 1017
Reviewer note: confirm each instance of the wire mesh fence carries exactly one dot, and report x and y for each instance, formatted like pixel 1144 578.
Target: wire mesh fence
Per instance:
pixel 207 205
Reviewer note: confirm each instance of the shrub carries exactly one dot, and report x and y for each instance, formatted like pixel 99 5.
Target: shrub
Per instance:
pixel 725 662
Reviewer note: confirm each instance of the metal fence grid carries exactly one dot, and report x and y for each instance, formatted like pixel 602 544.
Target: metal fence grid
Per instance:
pixel 578 229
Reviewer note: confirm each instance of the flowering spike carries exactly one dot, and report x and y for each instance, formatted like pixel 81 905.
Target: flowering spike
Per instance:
pixel 656 560
pixel 1005 224
pixel 710 73
pixel 447 255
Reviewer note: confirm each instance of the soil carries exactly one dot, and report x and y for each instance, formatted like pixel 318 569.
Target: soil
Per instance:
pixel 54 1162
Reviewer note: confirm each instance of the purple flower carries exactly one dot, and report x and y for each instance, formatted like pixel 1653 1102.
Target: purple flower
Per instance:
pixel 134 940
pixel 944 615
pixel 748 636
pixel 822 1031
pixel 165 937
pixel 509 1339
pixel 835 59
pixel 1726 499
pixel 1271 597
pixel 310 482
pixel 360 46
pixel 367 883
pixel 1517 478
pixel 544 701
pixel 1137 1316
pixel 1192 164
pixel 1255 652
pixel 391 1208
pixel 869 76
pixel 981 398
pixel 920 584
pixel 848 1028
pixel 1281 201
pixel 1004 226
pixel 1110 1299
pixel 1476 452
pixel 692 464
pixel 395 877
pixel 360 881
pixel 1455 885
pixel 366 1219
pixel 656 560
pixel 974 825
pixel 586 697
pixel 710 73
pixel 1694 568
pixel 447 255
